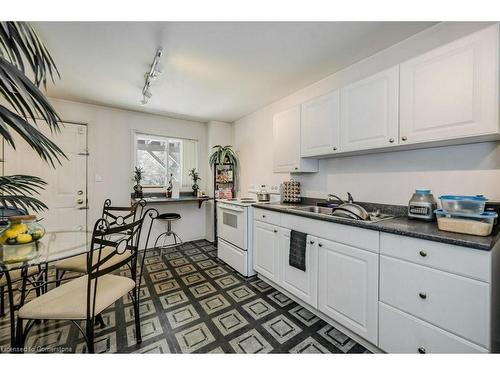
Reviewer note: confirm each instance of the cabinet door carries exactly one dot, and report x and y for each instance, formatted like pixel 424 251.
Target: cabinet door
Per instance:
pixel 303 284
pixel 369 112
pixel 266 250
pixel 320 125
pixel 348 287
pixel 451 92
pixel 286 136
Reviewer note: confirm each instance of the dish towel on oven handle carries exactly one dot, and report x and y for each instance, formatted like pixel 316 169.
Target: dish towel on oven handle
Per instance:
pixel 298 244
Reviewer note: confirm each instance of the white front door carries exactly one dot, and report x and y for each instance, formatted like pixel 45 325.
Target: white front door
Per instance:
pixel 66 192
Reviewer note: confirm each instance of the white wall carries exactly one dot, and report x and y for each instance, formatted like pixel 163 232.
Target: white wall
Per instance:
pixel 218 133
pixel 385 178
pixel 110 148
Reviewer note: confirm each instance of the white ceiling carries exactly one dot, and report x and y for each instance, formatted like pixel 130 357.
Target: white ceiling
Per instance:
pixel 212 71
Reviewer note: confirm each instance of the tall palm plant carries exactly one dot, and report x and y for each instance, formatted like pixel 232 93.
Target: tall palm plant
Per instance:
pixel 22 53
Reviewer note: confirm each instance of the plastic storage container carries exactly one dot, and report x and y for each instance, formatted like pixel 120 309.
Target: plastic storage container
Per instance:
pixel 478 225
pixel 463 204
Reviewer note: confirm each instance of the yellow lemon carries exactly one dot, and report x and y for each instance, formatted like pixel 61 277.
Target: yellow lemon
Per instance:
pixel 11 233
pixel 20 228
pixel 24 238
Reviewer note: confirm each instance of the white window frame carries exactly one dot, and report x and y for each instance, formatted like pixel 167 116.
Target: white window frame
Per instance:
pixel 141 133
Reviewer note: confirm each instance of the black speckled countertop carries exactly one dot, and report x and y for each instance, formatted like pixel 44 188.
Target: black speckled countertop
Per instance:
pixel 399 225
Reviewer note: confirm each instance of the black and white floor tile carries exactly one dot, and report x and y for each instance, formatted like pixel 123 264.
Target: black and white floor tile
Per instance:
pixel 194 303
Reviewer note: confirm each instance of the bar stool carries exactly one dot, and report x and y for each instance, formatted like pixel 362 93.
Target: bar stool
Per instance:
pixel 170 238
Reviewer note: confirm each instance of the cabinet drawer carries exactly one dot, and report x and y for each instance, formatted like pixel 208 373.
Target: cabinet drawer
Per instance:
pixel 403 333
pixel 456 259
pixel 266 216
pixel 453 303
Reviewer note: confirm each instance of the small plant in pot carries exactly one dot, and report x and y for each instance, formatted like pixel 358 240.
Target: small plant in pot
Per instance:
pixel 138 171
pixel 196 177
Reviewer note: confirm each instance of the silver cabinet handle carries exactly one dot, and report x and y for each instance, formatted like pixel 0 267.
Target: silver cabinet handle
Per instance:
pixel 275 231
pixel 391 140
pixel 296 168
pixel 422 295
pixel 79 201
pixel 404 138
pixel 311 242
pixel 422 253
pixel 320 244
pixel 79 192
pixel 335 149
pixel 422 350
pixel 263 216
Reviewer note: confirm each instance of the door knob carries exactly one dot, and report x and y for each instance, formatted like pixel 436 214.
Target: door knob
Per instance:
pixel 422 350
pixel 311 242
pixel 335 149
pixel 404 138
pixel 422 253
pixel 79 201
pixel 422 295
pixel 275 231
pixel 391 140
pixel 320 245
pixel 79 192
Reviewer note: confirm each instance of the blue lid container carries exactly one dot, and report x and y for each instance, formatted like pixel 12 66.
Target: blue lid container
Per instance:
pixel 464 204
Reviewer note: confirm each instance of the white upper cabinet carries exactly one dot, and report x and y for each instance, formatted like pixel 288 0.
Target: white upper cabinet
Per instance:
pixel 369 112
pixel 286 135
pixel 320 125
pixel 451 92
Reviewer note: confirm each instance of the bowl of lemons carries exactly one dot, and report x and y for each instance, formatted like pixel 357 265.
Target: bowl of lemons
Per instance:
pixel 21 230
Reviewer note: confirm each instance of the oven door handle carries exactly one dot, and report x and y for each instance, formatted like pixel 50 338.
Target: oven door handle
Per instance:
pixel 231 208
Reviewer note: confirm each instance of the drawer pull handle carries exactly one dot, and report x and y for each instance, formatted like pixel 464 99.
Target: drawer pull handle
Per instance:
pixel 423 253
pixel 320 245
pixel 275 231
pixel 422 350
pixel 311 242
pixel 422 295
pixel 263 216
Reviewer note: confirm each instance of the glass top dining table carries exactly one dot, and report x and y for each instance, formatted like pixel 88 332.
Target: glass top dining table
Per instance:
pixel 56 245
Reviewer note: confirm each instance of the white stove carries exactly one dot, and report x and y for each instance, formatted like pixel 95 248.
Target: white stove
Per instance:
pixel 244 202
pixel 235 231
pixel 234 234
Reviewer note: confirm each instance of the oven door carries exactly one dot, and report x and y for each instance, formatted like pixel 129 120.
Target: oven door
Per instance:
pixel 232 224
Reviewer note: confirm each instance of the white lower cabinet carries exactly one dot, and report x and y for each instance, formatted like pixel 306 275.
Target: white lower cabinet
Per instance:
pixel 454 303
pixel 402 333
pixel 348 287
pixel 403 295
pixel 266 250
pixel 303 284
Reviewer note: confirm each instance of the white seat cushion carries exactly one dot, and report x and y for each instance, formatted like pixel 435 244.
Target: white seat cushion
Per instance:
pixel 79 263
pixel 69 301
pixel 15 275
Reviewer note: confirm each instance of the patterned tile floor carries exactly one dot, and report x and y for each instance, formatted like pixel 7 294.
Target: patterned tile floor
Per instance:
pixel 193 303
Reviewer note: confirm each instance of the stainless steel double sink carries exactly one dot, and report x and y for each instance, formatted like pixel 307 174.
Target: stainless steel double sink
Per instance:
pixel 374 217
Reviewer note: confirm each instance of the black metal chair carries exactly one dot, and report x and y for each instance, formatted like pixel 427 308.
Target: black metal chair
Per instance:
pixel 114 216
pixel 83 298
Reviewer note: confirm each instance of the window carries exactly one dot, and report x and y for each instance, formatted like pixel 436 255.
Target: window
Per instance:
pixel 161 156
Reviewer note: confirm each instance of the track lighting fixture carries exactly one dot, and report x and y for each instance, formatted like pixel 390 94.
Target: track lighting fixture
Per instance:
pixel 152 75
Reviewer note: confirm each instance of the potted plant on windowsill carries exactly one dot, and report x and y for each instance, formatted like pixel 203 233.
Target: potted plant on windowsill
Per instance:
pixel 138 171
pixel 196 177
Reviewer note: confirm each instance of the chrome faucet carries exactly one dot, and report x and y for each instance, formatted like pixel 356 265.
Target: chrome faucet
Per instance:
pixel 332 197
